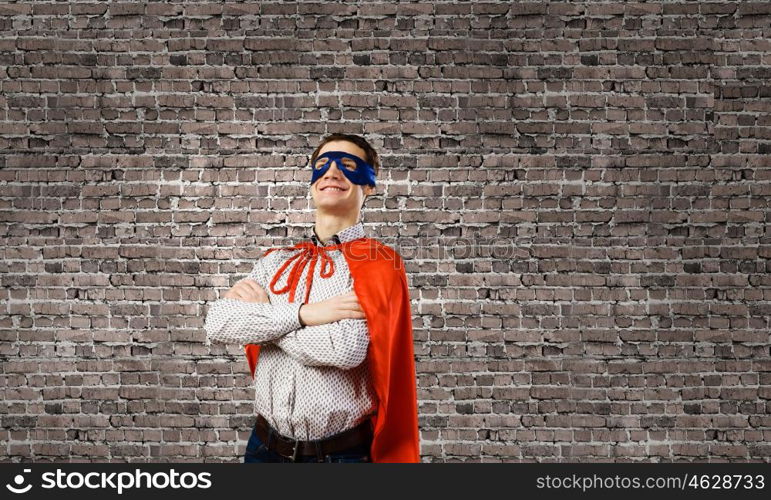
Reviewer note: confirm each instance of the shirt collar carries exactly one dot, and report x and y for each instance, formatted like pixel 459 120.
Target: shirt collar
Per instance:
pixel 348 234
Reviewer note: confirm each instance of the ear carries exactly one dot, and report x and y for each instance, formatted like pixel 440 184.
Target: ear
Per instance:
pixel 368 191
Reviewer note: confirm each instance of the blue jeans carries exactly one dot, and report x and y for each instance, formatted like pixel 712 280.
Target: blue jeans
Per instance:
pixel 257 451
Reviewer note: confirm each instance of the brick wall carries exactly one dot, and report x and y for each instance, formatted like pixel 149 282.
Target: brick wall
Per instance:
pixel 581 191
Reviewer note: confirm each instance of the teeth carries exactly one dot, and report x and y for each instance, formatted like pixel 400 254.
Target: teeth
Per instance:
pixel 332 187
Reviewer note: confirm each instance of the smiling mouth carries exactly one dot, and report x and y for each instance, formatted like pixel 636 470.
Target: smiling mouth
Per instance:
pixel 332 188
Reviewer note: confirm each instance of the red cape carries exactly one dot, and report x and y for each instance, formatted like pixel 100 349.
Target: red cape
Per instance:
pixel 380 284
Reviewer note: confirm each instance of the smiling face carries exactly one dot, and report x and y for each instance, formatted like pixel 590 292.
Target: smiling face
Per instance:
pixel 333 192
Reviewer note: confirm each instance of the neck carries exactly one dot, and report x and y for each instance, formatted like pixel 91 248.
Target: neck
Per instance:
pixel 327 225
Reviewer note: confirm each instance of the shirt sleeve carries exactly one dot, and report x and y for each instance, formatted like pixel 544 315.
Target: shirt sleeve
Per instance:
pixel 237 321
pixel 342 344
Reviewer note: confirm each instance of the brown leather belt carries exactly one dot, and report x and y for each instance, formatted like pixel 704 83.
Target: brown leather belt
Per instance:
pixel 291 448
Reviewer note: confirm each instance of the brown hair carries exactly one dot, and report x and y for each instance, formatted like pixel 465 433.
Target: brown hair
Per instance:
pixel 372 157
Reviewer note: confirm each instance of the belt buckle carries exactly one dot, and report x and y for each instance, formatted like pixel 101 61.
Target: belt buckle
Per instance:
pixel 295 449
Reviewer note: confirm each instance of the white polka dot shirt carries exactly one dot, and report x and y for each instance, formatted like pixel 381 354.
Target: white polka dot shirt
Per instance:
pixel 311 382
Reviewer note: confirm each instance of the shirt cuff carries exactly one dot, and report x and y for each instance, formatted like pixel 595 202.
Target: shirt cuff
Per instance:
pixel 288 316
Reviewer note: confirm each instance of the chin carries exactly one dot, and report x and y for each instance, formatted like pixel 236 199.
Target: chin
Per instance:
pixel 332 205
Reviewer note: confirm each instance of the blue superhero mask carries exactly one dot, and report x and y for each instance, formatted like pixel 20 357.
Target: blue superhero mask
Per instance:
pixel 354 168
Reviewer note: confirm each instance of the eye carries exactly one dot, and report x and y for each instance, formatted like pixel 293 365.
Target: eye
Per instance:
pixel 320 163
pixel 349 163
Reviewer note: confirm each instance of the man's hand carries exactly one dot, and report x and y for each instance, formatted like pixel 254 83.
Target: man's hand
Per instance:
pixel 343 306
pixel 248 291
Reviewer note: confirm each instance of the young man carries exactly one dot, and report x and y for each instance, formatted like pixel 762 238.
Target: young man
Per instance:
pixel 329 321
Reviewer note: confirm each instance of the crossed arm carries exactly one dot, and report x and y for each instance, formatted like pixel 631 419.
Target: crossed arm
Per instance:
pixel 335 331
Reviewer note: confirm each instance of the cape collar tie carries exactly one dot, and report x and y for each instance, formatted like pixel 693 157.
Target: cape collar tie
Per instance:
pixel 309 252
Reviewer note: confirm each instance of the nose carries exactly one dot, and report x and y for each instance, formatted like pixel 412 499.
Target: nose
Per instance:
pixel 332 172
